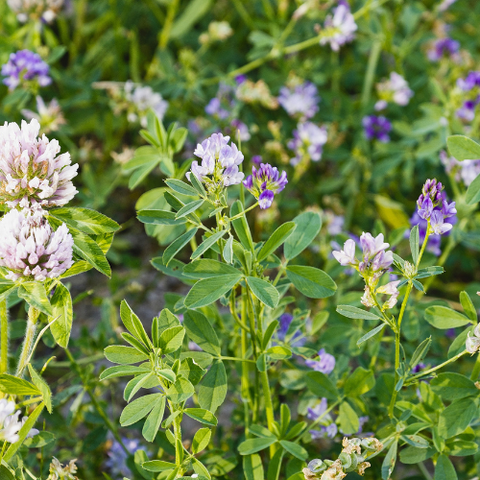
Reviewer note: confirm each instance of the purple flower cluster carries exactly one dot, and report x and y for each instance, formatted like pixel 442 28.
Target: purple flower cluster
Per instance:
pixel 377 127
pixel 300 101
pixel 117 457
pixel 433 206
pixel 296 339
pixel 339 28
pixel 264 183
pixel 319 412
pixel 307 143
pixel 220 161
pixel 443 47
pixel 25 65
pixel 30 249
pixel 325 363
pixel 470 84
pixel 465 171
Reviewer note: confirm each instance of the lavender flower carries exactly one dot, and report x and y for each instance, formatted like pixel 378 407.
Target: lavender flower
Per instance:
pixel 220 161
pixel 257 160
pixel 31 173
pixel 264 183
pixel 117 457
pixel 347 255
pixel 433 205
pixel 333 222
pixel 30 249
pixel 141 99
pixel 214 108
pixel 395 90
pixel 300 101
pixel 339 28
pixel 45 10
pixel 49 116
pixel 240 130
pixel 470 86
pixel 10 424
pixel 295 340
pixel 25 66
pixel 319 413
pixel 377 128
pixel 325 363
pixel 443 47
pixel 465 171
pixel 307 142
pixel 392 290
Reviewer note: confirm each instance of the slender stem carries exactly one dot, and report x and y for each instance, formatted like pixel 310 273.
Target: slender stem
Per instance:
pixel 424 471
pixel 177 430
pixel 246 397
pixel 4 337
pixel 30 331
pixel 370 75
pixel 167 26
pixel 301 436
pixel 267 395
pixel 476 369
pixel 236 359
pixel 438 367
pixel 251 318
pixel 95 402
pixel 239 215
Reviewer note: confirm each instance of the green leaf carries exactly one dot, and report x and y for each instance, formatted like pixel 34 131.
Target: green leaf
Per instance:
pixel 201 440
pixel 444 317
pixel 414 243
pixel 171 339
pixel 177 245
pixel 206 268
pixel 228 250
pixel 209 290
pixel 191 370
pixel 133 324
pixel 198 185
pixel 191 14
pixel 181 187
pixel 456 417
pixel 321 386
pixel 42 385
pixel 180 391
pixel 294 449
pixel 264 291
pixel 254 445
pixel 260 431
pixel 189 208
pixel 310 281
pixel 145 380
pixel 201 415
pixel 27 426
pixel 420 352
pixel 206 244
pixel 359 382
pixel 167 374
pixel 139 408
pixel 453 386
pixel 468 306
pixel 159 217
pixel 124 355
pixel 279 353
pixel 356 313
pixel 414 455
pixel 349 422
pixel 275 240
pixel 157 466
pixel 429 272
pixel 241 226
pixel 5 473
pixel 123 371
pixel 35 295
pixel 444 469
pixel 463 148
pixel 389 462
pixel 62 310
pixel 370 334
pixel 253 467
pixel 308 225
pixel 213 388
pixel 166 320
pixel 153 421
pixel 473 192
pixel 85 220
pixel 200 331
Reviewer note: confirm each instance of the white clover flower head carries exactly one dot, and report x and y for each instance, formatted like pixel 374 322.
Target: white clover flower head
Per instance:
pixel 30 249
pixel 10 424
pixel 31 171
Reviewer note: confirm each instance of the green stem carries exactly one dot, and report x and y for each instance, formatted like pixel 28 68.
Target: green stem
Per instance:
pixel 476 369
pixel 167 26
pixel 30 331
pixel 236 359
pixel 370 75
pixel 424 471
pixel 4 337
pixel 239 215
pixel 177 431
pixel 438 367
pixel 95 402
pixel 267 395
pixel 246 397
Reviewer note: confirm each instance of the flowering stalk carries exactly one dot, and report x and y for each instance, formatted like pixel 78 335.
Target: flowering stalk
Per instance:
pixel 33 315
pixel 4 337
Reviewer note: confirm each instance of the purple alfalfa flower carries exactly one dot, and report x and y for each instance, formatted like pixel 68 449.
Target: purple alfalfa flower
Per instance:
pixel 31 172
pixel 300 101
pixel 239 79
pixel 240 130
pixel 25 66
pixel 117 457
pixel 220 161
pixel 437 224
pixel 470 85
pixel 432 199
pixel 418 368
pixel 371 245
pixel 317 411
pixel 339 28
pixel 325 363
pixel 467 110
pixel 347 255
pixel 325 431
pixel 443 47
pixel 257 160
pixel 394 89
pixel 377 127
pixel 215 109
pixel 264 183
pixel 295 340
pixel 30 249
pixel 307 143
